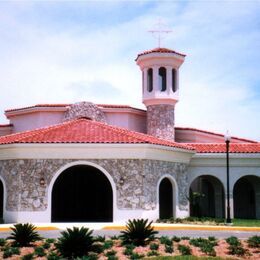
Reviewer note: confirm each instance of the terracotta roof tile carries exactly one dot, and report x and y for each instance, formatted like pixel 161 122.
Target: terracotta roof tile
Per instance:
pixel 86 131
pixel 221 147
pixel 160 50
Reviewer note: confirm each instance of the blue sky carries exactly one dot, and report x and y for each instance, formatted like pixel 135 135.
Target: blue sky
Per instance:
pixel 64 52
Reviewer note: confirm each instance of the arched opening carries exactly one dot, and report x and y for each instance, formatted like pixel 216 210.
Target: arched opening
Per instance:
pixel 206 197
pixel 174 82
pixel 165 199
pixel 246 195
pixel 150 80
pixel 162 79
pixel 82 193
pixel 1 200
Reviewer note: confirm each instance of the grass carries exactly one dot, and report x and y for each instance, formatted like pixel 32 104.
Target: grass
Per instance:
pixel 246 222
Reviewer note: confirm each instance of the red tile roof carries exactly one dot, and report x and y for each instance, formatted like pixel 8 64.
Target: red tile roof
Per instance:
pixel 86 131
pixel 160 50
pixel 221 147
pixel 213 133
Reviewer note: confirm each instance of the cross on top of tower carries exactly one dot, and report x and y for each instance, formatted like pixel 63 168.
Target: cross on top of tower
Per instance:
pixel 159 31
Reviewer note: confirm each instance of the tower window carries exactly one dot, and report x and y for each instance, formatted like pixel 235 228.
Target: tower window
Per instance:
pixel 174 85
pixel 162 79
pixel 150 80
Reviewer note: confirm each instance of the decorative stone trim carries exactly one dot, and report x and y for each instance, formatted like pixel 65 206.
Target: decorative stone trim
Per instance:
pixel 84 109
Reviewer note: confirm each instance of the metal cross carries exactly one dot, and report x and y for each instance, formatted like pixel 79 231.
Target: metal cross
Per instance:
pixel 159 31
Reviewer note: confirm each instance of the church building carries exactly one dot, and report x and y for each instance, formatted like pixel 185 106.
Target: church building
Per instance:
pixel 87 162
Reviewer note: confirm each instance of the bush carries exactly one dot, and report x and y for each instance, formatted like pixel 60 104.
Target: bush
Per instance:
pixel 75 242
pixel 39 251
pixel 46 245
pixel 28 257
pixel 236 250
pixel 108 244
pixel 184 250
pixel 168 249
pixel 9 251
pixel 2 242
pixel 176 239
pixel 135 256
pixel 114 237
pixel 53 256
pixel 138 232
pixel 110 253
pixel 97 247
pixel 184 238
pixel 112 257
pixel 254 241
pixel 233 241
pixel 24 234
pixel 153 253
pixel 206 245
pixel 100 238
pixel 154 246
pixel 50 240
pixel 165 240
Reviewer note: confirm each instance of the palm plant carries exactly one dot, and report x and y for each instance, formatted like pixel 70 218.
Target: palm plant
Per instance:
pixel 24 234
pixel 75 242
pixel 138 232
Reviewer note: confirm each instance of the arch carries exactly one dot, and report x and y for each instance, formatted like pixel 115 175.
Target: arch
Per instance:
pixel 76 183
pixel 167 197
pixel 246 197
pixel 174 80
pixel 150 80
pixel 206 196
pixel 162 79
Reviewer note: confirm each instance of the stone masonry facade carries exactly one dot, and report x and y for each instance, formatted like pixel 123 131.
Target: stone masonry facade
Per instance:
pixel 135 180
pixel 160 121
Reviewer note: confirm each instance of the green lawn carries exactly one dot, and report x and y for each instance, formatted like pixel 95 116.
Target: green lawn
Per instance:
pixel 246 222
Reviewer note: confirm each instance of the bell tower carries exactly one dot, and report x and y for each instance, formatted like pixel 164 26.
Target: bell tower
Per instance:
pixel 160 71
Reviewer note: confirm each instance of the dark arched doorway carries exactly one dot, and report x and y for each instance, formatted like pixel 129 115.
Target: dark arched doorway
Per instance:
pixel 82 194
pixel 206 197
pixel 1 200
pixel 165 199
pixel 244 195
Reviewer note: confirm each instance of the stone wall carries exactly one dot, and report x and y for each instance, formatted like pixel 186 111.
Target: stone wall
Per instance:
pixel 135 180
pixel 160 121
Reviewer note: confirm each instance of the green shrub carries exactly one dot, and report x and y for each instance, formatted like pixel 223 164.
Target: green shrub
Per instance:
pixel 108 244
pixel 206 245
pixel 233 241
pixel 91 256
pixel 176 239
pixel 168 249
pixel 112 257
pixel 111 252
pixel 9 251
pixel 75 242
pixel 154 246
pixel 50 240
pixel 39 251
pixel 212 239
pixel 128 251
pixel 24 234
pixel 97 247
pixel 114 237
pixel 236 250
pixel 254 241
pixel 100 238
pixel 53 256
pixel 46 245
pixel 153 253
pixel 184 250
pixel 2 242
pixel 135 256
pixel 28 257
pixel 165 240
pixel 138 232
pixel 184 238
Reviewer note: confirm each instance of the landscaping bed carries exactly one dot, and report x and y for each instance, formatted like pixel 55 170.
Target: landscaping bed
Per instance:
pixel 137 241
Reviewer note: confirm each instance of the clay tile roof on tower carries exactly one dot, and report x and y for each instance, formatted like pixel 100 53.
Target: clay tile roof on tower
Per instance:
pixel 160 50
pixel 86 131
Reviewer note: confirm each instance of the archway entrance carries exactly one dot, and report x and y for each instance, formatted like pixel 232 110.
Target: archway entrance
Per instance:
pixel 206 196
pixel 246 197
pixel 165 199
pixel 82 194
pixel 1 199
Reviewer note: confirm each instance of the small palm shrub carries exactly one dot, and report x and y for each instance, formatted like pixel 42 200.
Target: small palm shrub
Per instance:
pixel 184 250
pixel 165 240
pixel 97 247
pixel 46 245
pixel 39 251
pixel 138 232
pixel 9 251
pixel 2 242
pixel 184 238
pixel 135 256
pixel 24 234
pixel 254 241
pixel 233 241
pixel 236 250
pixel 100 238
pixel 75 242
pixel 168 249
pixel 50 240
pixel 177 239
pixel 153 253
pixel 27 257
pixel 129 249
pixel 154 246
pixel 108 244
pixel 53 256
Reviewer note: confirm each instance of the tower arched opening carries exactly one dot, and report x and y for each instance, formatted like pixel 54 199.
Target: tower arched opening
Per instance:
pixel 246 197
pixel 1 199
pixel 150 80
pixel 82 193
pixel 162 79
pixel 206 195
pixel 174 81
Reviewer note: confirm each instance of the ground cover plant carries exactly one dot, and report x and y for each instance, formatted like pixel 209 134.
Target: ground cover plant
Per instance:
pixel 106 248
